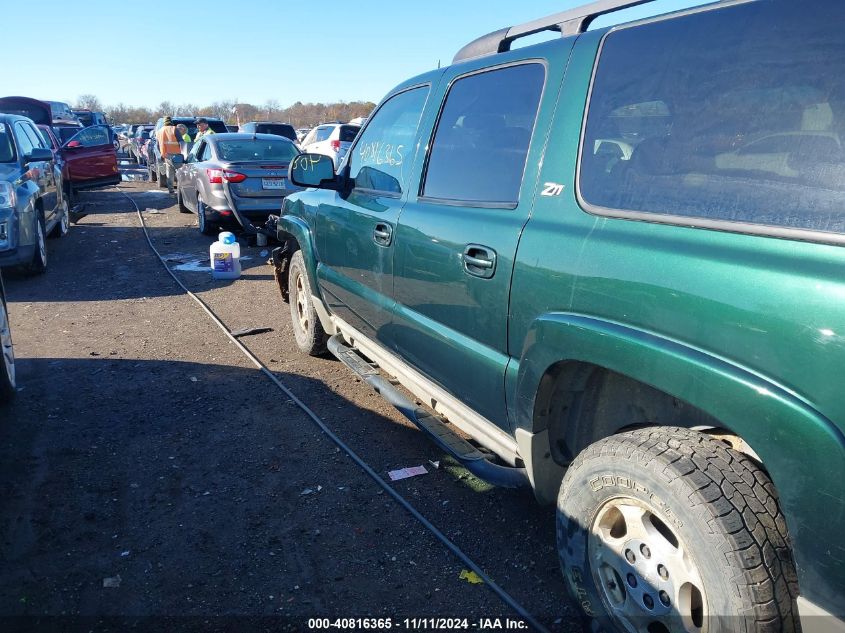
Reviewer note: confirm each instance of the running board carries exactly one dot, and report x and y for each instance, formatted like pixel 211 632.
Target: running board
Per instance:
pixel 469 456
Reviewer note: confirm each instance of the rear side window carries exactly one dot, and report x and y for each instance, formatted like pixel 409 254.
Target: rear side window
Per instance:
pixel 481 143
pixel 323 133
pixel 743 122
pixel 275 128
pixel 381 159
pixel 348 133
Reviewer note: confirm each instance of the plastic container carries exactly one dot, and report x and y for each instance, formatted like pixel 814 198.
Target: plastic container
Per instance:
pixel 225 256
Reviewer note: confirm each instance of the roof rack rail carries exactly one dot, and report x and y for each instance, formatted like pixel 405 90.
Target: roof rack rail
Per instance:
pixel 571 22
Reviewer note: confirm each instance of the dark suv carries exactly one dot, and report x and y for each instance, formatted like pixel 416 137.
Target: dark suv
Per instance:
pixel 269 127
pixel 615 260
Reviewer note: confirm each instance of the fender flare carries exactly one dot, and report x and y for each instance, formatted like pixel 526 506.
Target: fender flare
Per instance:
pixel 803 451
pixel 292 227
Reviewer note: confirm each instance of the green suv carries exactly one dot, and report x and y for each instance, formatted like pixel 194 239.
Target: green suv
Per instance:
pixel 614 261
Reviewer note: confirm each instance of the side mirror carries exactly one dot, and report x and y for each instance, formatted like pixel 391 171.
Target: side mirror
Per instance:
pixel 38 154
pixel 313 170
pixel 73 144
pixel 178 160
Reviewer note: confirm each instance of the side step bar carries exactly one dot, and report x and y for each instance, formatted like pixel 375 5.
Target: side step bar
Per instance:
pixel 469 457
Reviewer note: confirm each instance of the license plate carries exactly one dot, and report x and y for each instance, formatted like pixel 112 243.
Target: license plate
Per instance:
pixel 272 183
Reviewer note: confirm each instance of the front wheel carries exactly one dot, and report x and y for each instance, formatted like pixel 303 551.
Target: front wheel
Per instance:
pixel 206 227
pixel 39 257
pixel 667 529
pixel 310 336
pixel 7 352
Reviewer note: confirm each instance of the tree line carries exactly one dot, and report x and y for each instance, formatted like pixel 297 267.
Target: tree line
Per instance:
pixel 299 114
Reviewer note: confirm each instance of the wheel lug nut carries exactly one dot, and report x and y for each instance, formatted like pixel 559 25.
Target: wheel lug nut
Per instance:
pixel 645 551
pixel 663 572
pixel 664 598
pixel 629 556
pixel 632 580
pixel 648 601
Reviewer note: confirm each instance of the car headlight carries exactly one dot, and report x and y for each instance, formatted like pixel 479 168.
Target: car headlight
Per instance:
pixel 7 195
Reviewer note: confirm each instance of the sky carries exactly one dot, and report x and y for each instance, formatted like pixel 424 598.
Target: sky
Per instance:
pixel 186 51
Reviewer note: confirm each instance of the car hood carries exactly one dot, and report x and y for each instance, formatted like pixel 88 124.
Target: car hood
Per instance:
pixel 36 110
pixel 9 171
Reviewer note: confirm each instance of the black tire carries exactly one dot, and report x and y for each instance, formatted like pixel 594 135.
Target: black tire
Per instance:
pixel 308 332
pixel 7 352
pixel 38 264
pixel 717 503
pixel 69 194
pixel 63 225
pixel 206 227
pixel 181 203
pixel 162 179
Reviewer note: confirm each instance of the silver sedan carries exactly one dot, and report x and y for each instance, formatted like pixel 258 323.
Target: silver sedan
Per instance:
pixel 235 179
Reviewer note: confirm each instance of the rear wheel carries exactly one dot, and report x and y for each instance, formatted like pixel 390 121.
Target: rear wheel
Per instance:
pixel 63 225
pixel 667 529
pixel 7 371
pixel 310 336
pixel 39 257
pixel 206 227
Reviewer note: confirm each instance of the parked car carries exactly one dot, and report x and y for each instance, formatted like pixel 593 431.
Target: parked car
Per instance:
pixel 651 339
pixel 301 133
pixel 7 350
pixel 87 117
pixel 32 205
pixel 240 178
pixel 269 127
pixel 136 144
pixel 87 158
pixel 60 111
pixel 156 165
pixel 330 139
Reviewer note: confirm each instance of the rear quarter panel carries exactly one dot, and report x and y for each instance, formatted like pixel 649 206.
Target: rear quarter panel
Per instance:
pixel 750 329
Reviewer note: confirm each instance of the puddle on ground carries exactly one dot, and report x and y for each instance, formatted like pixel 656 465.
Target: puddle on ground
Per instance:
pixel 185 263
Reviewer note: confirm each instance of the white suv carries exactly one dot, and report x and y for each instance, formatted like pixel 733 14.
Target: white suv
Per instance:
pixel 331 139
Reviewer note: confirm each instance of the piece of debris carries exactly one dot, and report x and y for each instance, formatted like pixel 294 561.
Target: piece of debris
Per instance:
pixel 434 464
pixel 306 492
pixel 112 582
pixel 264 253
pixel 251 331
pixel 152 211
pixel 193 378
pixel 124 554
pixel 405 473
pixel 471 577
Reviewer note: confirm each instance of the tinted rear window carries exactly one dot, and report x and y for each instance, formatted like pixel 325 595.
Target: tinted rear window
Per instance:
pixel 348 133
pixel 743 122
pixel 248 149
pixel 276 128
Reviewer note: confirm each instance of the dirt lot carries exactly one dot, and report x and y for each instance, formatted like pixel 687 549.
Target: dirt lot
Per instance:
pixel 145 449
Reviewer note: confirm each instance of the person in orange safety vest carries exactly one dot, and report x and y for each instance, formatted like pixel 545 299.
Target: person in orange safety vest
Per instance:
pixel 167 138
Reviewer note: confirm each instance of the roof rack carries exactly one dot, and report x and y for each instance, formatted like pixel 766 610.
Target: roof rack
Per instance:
pixel 571 22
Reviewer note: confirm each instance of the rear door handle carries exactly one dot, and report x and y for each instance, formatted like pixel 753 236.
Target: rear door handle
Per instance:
pixel 383 234
pixel 479 261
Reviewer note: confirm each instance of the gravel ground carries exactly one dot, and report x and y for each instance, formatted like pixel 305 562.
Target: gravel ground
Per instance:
pixel 144 451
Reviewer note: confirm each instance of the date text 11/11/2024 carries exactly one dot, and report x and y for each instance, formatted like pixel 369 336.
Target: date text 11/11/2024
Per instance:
pixel 418 624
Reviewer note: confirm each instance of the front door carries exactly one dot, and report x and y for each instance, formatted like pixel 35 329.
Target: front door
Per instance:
pixel 456 241
pixel 89 156
pixel 356 231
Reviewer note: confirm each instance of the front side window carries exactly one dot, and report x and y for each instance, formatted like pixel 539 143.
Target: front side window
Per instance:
pixel 94 136
pixel 381 159
pixel 25 145
pixel 734 115
pixel 481 143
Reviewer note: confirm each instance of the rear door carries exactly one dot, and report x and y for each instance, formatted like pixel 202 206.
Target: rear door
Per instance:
pixel 356 231
pixel 89 156
pixel 457 236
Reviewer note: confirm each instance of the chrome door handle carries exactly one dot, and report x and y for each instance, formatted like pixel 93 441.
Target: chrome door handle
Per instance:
pixel 479 261
pixel 383 234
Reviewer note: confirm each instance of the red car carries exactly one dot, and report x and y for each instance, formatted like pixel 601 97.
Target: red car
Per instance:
pixel 87 156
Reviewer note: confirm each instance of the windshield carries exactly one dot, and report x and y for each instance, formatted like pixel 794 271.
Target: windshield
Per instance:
pixel 258 150
pixel 7 150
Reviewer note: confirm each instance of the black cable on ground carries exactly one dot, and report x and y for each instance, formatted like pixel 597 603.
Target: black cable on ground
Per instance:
pixel 501 593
